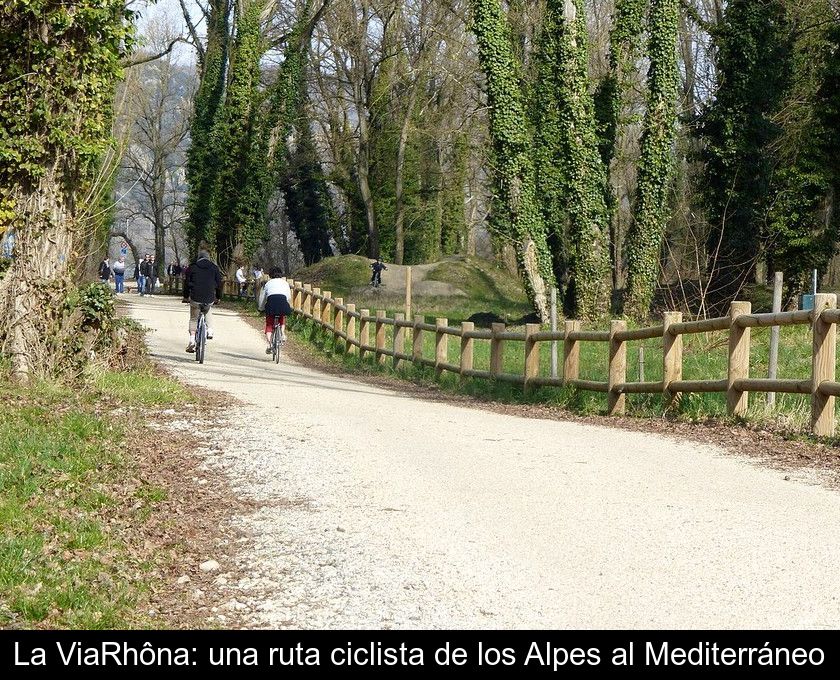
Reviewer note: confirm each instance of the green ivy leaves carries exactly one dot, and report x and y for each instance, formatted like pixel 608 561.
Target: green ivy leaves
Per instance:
pixel 644 239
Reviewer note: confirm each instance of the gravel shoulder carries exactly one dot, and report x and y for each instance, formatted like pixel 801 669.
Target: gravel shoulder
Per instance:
pixel 366 507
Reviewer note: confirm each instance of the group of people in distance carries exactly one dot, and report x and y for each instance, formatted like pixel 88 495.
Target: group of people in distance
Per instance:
pixel 203 286
pixel 146 273
pixel 242 279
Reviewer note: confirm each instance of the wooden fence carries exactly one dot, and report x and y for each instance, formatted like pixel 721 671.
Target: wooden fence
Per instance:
pixel 174 285
pixel 353 329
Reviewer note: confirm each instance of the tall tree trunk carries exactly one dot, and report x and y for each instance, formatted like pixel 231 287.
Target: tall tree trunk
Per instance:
pixel 201 165
pixel 656 164
pixel 571 180
pixel 159 216
pixel 399 188
pixel 284 240
pixel 363 171
pixel 175 245
pixel 39 273
pixel 440 197
pixel 615 109
pixel 513 151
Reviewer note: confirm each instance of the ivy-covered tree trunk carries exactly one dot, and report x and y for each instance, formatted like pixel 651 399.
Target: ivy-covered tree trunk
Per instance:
pixel 571 181
pixel 305 192
pixel 58 71
pixel 803 221
pixel 513 151
pixel 655 167
pixel 201 163
pixel 614 113
pixel 238 220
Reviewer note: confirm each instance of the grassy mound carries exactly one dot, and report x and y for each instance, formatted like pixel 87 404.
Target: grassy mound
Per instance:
pixel 457 288
pixel 338 274
pixel 480 280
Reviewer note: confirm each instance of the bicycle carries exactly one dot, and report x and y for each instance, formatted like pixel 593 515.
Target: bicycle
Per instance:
pixel 201 332
pixel 276 341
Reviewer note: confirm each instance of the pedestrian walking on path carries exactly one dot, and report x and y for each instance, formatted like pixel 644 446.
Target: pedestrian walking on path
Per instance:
pixel 119 275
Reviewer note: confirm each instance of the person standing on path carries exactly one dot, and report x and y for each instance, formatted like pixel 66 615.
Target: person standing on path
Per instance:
pixel 138 276
pixel 242 281
pixel 376 277
pixel 104 271
pixel 151 274
pixel 203 286
pixel 143 281
pixel 119 275
pixel 258 275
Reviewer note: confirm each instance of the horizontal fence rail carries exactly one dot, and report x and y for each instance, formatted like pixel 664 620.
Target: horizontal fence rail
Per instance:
pixel 362 333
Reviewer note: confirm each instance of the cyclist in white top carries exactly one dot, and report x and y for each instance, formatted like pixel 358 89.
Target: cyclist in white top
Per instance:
pixel 274 301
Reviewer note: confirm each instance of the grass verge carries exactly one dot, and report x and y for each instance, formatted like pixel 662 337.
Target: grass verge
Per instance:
pixel 79 512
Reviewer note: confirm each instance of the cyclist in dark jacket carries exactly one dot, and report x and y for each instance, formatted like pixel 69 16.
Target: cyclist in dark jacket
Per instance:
pixel 202 286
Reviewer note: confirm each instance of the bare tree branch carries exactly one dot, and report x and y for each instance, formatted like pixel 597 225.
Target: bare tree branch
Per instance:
pixel 152 57
pixel 193 33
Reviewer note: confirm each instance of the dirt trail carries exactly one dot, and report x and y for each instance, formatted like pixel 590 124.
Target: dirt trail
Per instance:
pixel 393 280
pixel 379 510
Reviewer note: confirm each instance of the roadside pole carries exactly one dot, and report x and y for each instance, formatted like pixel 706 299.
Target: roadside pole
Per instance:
pixel 408 292
pixel 553 330
pixel 773 362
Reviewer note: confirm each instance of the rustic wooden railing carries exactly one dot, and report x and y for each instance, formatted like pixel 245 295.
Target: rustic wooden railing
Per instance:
pixel 353 329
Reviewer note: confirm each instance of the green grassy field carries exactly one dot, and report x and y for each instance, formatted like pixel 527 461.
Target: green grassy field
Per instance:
pixel 62 467
pixel 487 288
pixel 704 357
pixel 493 291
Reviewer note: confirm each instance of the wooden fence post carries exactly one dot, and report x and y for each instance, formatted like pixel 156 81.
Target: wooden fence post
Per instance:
pixel 399 339
pixel 364 333
pixel 351 328
pixel 823 366
pixel 380 337
pixel 617 369
pixel 326 310
pixel 338 324
pixel 571 353
pixel 532 356
pixel 672 346
pixel 496 349
pixel 316 306
pixel 417 339
pixel 307 299
pixel 739 360
pixel 295 301
pixel 466 347
pixel 441 345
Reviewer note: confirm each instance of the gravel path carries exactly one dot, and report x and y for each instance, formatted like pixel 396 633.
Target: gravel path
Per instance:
pixel 376 510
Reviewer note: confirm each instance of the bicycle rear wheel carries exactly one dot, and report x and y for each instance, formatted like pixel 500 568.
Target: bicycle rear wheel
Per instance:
pixel 200 338
pixel 275 345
